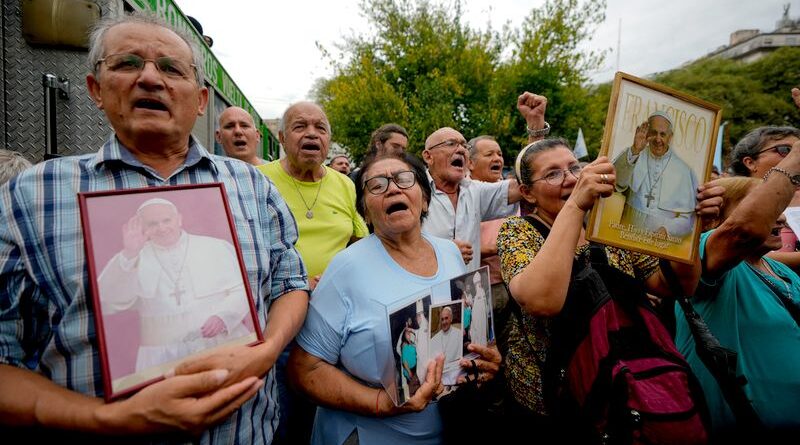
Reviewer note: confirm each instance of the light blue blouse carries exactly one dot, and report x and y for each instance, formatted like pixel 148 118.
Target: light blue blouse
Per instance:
pixel 347 327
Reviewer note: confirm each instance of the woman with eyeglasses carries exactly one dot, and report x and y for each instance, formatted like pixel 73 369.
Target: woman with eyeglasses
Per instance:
pixel 752 305
pixel 538 269
pixel 757 152
pixel 344 344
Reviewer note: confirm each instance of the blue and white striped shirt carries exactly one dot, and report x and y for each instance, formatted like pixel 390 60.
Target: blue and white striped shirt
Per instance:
pixel 46 318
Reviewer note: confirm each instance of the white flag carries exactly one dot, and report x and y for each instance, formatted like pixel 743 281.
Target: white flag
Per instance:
pixel 580 146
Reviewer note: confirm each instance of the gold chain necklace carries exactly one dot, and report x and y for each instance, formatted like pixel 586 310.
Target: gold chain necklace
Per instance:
pixel 309 212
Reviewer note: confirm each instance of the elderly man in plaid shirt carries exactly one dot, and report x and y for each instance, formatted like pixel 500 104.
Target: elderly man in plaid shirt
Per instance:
pixel 147 79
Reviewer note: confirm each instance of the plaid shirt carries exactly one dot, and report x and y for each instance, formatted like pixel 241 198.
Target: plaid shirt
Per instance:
pixel 46 318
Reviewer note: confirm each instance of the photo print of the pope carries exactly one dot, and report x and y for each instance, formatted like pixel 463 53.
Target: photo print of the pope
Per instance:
pixel 659 187
pixel 184 288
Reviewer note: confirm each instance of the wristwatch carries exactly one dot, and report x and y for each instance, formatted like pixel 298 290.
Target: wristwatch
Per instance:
pixel 795 179
pixel 540 132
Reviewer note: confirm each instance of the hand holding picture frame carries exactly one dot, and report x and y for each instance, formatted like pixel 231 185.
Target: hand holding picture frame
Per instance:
pixel 168 280
pixel 661 142
pixel 443 319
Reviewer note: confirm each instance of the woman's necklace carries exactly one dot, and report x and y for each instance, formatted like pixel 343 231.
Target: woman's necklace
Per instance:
pixel 777 277
pixel 309 212
pixel 771 276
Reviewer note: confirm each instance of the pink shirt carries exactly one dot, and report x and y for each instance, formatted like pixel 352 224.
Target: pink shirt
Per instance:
pixel 788 239
pixel 489 231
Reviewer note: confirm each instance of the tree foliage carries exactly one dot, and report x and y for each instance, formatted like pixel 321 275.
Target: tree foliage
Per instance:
pixel 545 59
pixel 424 69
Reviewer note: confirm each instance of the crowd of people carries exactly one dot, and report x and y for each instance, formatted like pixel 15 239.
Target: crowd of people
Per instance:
pixel 327 248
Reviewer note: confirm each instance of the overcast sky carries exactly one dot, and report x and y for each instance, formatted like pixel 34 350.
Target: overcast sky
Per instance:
pixel 269 47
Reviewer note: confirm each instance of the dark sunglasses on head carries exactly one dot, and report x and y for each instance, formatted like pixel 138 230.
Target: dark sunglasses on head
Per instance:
pixel 782 150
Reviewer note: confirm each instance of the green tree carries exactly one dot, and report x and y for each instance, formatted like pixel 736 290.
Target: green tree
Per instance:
pixel 425 69
pixel 545 59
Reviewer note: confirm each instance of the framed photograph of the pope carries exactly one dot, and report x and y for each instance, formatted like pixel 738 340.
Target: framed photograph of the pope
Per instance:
pixel 661 142
pixel 167 279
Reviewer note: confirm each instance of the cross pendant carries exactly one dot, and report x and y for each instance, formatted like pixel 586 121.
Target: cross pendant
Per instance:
pixel 650 198
pixel 178 293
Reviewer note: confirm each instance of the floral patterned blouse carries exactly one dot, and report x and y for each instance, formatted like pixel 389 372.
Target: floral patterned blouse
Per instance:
pixel 529 338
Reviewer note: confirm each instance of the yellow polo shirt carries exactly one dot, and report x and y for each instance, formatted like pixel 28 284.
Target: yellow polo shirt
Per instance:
pixel 334 219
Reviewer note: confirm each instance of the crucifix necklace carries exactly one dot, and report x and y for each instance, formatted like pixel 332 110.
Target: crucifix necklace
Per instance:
pixel 650 196
pixel 309 212
pixel 177 289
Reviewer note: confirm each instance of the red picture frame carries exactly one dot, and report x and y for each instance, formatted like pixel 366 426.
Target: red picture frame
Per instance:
pixel 167 279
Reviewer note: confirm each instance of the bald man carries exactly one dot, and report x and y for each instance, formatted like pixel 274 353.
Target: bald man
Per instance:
pixel 459 204
pixel 239 136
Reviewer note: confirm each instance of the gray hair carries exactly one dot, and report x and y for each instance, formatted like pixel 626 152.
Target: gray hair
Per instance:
pixel 473 144
pixel 97 37
pixel 754 142
pixel 524 164
pixel 282 124
pixel 11 163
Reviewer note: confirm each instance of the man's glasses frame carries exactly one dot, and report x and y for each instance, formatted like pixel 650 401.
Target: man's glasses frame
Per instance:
pixel 449 143
pixel 134 63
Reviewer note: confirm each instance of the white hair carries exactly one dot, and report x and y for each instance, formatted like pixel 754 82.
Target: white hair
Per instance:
pixel 11 163
pixel 282 124
pixel 97 37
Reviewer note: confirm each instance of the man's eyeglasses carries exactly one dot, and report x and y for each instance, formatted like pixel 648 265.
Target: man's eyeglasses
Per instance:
pixel 378 185
pixel 450 143
pixel 132 63
pixel 782 150
pixel 556 177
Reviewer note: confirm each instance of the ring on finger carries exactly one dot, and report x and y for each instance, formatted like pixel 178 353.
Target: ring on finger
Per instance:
pixel 604 178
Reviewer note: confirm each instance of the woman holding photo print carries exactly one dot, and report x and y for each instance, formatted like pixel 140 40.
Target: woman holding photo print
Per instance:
pixel 336 362
pixel 538 270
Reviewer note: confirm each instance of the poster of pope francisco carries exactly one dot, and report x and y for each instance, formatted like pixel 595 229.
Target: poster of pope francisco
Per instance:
pixel 661 142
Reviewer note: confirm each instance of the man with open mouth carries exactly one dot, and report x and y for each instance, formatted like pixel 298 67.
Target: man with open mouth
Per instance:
pixel 459 204
pixel 239 135
pixel 323 203
pixel 486 164
pixel 148 80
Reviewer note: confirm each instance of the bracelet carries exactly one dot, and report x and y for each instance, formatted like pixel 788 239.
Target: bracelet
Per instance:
pixel 794 179
pixel 377 400
pixel 544 131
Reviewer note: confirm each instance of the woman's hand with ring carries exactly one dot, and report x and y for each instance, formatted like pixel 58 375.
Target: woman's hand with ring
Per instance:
pixel 597 180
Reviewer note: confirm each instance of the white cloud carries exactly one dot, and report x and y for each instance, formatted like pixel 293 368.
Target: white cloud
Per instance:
pixel 269 47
